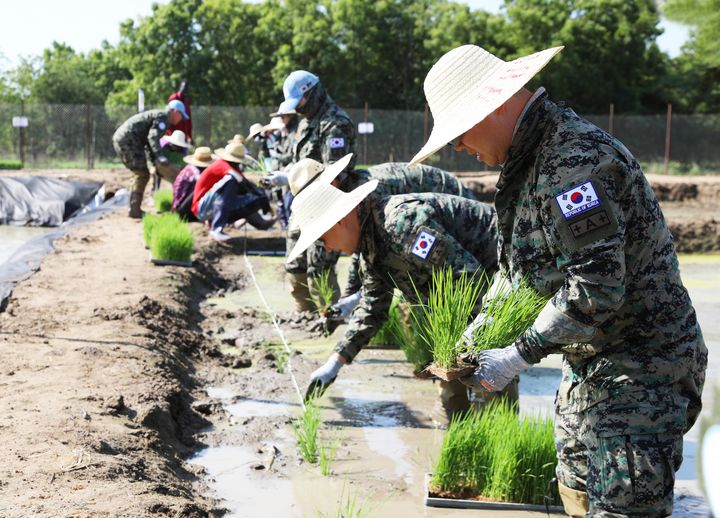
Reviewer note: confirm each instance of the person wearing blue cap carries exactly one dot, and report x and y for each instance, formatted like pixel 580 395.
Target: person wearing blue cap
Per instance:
pixel 138 139
pixel 325 134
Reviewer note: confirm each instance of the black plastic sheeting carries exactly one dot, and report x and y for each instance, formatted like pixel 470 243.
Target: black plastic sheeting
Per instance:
pixel 26 260
pixel 41 201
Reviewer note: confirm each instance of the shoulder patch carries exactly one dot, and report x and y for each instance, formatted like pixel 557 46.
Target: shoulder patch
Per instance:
pixel 336 143
pixel 162 126
pixel 577 200
pixel 423 244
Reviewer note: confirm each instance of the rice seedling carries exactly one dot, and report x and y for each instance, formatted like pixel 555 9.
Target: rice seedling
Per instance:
pixel 163 199
pixel 171 239
pixel 327 455
pixel 349 507
pixel 509 314
pixel 149 221
pixel 447 312
pixel 392 330
pixel 306 432
pixel 322 291
pixel 496 455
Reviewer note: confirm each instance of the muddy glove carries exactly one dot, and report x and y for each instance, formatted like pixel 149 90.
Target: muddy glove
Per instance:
pixel 276 178
pixel 344 307
pixel 496 368
pixel 323 377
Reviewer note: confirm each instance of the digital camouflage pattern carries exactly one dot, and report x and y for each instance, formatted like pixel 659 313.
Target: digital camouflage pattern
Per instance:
pixel 398 178
pixel 634 356
pixel 137 140
pixel 284 147
pixel 464 237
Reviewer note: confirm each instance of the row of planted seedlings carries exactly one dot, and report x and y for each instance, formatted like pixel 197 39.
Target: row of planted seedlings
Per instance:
pixel 490 454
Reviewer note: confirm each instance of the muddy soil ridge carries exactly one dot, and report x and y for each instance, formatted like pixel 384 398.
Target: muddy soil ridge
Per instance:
pixel 98 352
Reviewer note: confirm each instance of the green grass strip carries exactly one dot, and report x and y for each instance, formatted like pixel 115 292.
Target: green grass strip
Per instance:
pixel 496 454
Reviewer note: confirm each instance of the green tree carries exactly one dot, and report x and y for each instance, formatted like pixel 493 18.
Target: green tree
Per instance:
pixel 65 77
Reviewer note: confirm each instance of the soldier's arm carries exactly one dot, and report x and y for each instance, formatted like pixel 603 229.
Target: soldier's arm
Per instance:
pixel 354 282
pixel 338 140
pixel 590 251
pixel 157 130
pixel 368 317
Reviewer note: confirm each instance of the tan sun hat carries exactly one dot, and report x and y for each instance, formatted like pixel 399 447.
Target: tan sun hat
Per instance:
pixel 275 123
pixel 318 205
pixel 255 130
pixel 306 170
pixel 467 84
pixel 237 139
pixel 202 157
pixel 177 139
pixel 233 152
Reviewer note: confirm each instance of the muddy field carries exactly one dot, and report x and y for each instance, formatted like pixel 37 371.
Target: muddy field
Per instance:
pixel 134 390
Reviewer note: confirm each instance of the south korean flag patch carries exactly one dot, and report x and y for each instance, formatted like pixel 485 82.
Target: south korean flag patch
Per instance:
pixel 423 244
pixel 336 142
pixel 577 200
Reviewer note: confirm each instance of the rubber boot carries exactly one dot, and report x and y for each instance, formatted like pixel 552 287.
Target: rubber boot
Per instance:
pixel 575 502
pixel 259 222
pixel 135 202
pixel 300 292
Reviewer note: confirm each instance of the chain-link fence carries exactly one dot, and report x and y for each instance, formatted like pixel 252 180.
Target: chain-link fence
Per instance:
pixel 80 136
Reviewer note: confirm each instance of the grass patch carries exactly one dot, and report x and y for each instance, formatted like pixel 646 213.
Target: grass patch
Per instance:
pixel 306 432
pixel 497 455
pixel 443 319
pixel 509 313
pixel 163 199
pixel 10 164
pixel 170 238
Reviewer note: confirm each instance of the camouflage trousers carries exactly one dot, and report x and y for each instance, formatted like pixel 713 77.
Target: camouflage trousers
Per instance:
pixel 307 266
pixel 624 474
pixel 134 158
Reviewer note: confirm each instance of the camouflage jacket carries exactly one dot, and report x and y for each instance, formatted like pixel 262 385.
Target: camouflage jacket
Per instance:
pixel 578 220
pixel 327 136
pixel 144 130
pixel 398 178
pixel 407 235
pixel 283 151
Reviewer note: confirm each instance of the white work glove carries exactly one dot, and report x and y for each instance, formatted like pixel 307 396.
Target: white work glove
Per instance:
pixel 323 377
pixel 344 307
pixel 496 368
pixel 162 160
pixel 277 178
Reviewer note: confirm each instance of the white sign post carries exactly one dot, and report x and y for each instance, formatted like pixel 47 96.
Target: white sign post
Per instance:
pixel 365 128
pixel 20 121
pixel 141 100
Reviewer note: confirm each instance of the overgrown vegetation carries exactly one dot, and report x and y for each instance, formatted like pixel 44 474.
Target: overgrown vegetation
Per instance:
pixel 508 314
pixel 447 312
pixel 168 237
pixel 497 455
pixel 163 199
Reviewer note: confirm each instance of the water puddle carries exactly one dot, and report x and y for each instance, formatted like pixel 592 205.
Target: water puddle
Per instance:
pixel 219 393
pixel 13 237
pixel 265 408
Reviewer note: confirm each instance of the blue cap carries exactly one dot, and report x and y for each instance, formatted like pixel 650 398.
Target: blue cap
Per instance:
pixel 179 106
pixel 296 85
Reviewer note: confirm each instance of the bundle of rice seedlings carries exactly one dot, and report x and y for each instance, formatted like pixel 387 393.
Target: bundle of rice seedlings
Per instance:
pixel 163 199
pixel 171 239
pixel 149 221
pixel 494 454
pixel 392 330
pixel 306 431
pixel 322 292
pixel 446 315
pixel 509 314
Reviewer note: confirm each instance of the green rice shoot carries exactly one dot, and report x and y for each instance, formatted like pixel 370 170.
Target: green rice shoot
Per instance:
pixel 509 314
pixel 171 239
pixel 306 432
pixel 328 450
pixel 149 221
pixel 497 455
pixel 413 341
pixel 322 291
pixel 163 199
pixel 349 507
pixel 392 330
pixel 446 315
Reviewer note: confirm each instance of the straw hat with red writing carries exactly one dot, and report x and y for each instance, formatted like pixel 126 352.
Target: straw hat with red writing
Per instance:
pixel 469 83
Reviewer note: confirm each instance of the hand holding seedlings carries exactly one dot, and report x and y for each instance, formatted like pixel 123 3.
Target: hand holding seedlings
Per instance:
pixel 323 377
pixel 496 368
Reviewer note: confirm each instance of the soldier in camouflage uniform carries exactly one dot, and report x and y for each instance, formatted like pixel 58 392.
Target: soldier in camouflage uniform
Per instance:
pixel 579 221
pixel 461 233
pixel 325 133
pixel 138 139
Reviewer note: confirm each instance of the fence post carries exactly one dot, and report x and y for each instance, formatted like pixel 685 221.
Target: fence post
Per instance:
pixel 22 136
pixel 612 118
pixel 365 161
pixel 210 126
pixel 668 124
pixel 87 137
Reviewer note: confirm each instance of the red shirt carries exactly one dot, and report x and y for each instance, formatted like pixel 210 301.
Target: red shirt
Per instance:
pixel 184 125
pixel 209 177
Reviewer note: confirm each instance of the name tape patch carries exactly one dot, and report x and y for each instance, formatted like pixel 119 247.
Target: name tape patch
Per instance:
pixel 423 244
pixel 336 142
pixel 577 200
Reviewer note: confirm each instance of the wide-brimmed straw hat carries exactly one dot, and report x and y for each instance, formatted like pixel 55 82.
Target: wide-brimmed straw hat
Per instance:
pixel 467 84
pixel 255 130
pixel 202 157
pixel 237 139
pixel 233 152
pixel 178 138
pixel 318 205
